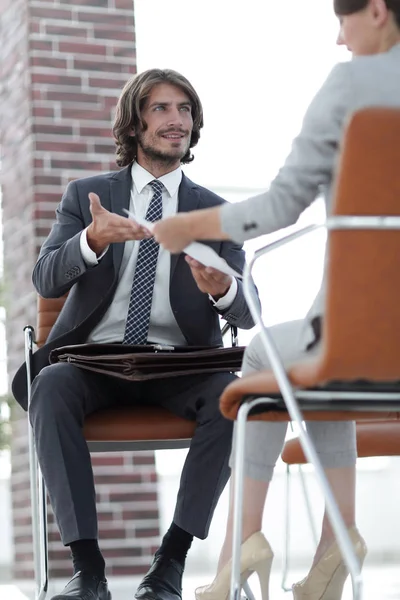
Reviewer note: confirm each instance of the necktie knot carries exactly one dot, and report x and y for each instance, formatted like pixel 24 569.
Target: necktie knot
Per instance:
pixel 154 211
pixel 157 186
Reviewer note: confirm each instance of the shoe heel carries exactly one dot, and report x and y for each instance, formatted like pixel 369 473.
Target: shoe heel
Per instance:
pixel 263 570
pixel 335 586
pixel 326 579
pixel 256 556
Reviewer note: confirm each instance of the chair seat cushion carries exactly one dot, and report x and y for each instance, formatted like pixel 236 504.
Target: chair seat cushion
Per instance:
pixel 264 384
pixel 377 438
pixel 137 423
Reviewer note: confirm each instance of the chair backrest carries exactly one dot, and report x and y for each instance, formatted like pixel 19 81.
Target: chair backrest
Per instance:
pixel 361 331
pixel 48 310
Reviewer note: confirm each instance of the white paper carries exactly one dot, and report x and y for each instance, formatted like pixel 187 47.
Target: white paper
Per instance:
pixel 200 252
pixel 208 257
pixel 140 220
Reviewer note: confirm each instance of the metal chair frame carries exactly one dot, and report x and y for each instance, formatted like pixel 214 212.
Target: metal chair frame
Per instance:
pixel 294 401
pixel 311 520
pixel 287 529
pixel 38 488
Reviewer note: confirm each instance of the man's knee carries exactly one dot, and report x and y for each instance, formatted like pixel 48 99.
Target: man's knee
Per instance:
pixel 55 390
pixel 217 385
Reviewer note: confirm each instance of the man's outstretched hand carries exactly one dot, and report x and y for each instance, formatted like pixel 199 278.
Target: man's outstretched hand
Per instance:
pixel 107 228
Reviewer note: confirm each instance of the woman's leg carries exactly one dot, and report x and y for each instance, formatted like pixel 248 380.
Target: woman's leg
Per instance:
pixel 335 443
pixel 264 441
pixel 254 495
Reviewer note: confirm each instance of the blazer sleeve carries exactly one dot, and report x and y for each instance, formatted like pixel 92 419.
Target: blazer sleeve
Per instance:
pixel 308 168
pixel 60 262
pixel 238 313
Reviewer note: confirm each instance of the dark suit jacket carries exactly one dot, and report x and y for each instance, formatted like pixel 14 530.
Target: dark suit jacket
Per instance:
pixel 60 269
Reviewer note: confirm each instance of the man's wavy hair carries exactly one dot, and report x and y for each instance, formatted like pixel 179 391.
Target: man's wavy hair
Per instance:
pixel 131 103
pixel 348 7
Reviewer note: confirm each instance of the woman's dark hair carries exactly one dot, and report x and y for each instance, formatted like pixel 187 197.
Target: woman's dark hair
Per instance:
pixel 131 103
pixel 347 7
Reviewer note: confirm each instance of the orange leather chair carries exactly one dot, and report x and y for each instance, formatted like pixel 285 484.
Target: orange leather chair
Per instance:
pixel 356 375
pixel 124 428
pixel 374 438
pixel 147 427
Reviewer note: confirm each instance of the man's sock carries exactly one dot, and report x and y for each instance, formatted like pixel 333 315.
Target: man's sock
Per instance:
pixel 176 544
pixel 86 556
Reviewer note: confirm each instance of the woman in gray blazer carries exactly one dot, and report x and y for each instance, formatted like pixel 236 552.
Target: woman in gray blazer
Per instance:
pixel 371 31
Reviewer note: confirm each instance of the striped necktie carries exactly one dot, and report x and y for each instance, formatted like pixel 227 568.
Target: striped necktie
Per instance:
pixel 138 318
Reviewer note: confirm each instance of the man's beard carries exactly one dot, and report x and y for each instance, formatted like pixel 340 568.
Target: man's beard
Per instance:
pixel 160 156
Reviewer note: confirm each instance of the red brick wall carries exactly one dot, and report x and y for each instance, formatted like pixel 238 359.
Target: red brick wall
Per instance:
pixel 63 64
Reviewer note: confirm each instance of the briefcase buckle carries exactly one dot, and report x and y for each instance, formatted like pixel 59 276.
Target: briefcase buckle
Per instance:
pixel 158 347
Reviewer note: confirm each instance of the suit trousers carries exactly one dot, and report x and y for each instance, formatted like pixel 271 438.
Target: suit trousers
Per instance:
pixel 62 395
pixel 334 441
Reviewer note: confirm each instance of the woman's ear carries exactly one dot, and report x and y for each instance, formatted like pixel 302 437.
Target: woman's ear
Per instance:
pixel 380 11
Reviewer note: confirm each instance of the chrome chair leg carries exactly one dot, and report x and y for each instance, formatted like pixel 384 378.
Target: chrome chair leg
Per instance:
pixel 340 530
pixel 286 534
pixel 38 494
pixel 307 502
pixel 287 525
pixel 240 441
pixel 247 591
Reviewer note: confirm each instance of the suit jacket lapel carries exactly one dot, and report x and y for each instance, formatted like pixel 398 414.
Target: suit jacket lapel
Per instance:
pixel 120 194
pixel 188 199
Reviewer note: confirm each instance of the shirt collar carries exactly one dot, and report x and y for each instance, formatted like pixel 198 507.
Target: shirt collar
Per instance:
pixel 141 178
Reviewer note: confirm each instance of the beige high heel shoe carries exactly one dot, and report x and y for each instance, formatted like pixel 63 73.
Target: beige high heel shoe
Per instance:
pixel 256 555
pixel 325 581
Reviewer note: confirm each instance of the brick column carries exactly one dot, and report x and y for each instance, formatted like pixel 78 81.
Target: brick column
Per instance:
pixel 62 66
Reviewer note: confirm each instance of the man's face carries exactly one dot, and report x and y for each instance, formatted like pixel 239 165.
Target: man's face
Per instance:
pixel 168 115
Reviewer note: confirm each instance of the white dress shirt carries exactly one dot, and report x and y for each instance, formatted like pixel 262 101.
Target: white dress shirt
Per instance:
pixel 163 328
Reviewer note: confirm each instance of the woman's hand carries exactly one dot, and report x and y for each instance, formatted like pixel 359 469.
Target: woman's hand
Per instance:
pixel 174 233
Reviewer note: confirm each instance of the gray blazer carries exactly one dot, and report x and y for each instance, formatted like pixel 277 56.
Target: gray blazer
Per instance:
pixel 310 167
pixel 60 268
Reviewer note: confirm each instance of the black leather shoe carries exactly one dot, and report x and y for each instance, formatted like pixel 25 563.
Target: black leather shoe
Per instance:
pixel 163 580
pixel 84 586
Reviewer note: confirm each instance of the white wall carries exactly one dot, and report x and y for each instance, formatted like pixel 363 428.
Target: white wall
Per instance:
pixel 5 517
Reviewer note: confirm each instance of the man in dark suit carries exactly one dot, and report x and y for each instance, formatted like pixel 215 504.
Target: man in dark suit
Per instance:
pixel 124 288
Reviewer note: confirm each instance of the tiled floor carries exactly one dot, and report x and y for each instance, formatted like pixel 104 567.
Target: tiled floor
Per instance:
pixel 380 583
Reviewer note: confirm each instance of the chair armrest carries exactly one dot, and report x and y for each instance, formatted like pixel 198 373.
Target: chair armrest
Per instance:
pixel 248 286
pixel 274 357
pixel 363 222
pixel 29 333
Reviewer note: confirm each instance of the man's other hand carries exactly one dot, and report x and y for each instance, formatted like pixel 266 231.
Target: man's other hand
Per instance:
pixel 209 280
pixel 108 228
